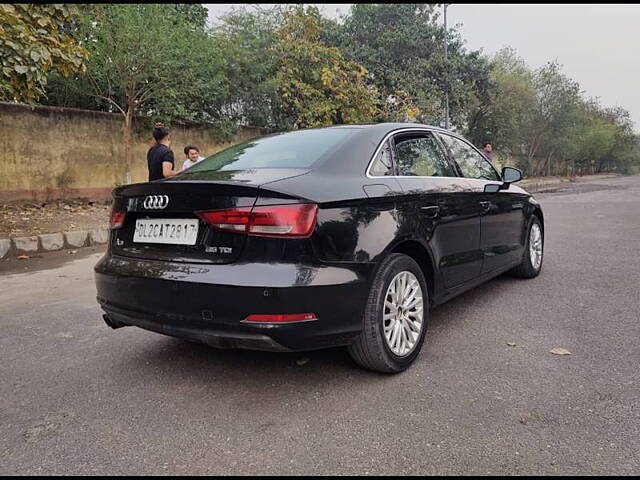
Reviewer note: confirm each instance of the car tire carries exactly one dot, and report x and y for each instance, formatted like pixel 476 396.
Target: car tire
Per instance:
pixel 529 268
pixel 373 349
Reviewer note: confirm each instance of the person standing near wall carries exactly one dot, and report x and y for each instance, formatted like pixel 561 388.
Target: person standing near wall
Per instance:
pixel 487 150
pixel 193 156
pixel 160 157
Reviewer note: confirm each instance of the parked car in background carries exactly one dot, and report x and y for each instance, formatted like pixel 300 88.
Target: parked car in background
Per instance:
pixel 346 235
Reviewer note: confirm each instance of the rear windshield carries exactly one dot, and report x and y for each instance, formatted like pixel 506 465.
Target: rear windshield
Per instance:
pixel 298 149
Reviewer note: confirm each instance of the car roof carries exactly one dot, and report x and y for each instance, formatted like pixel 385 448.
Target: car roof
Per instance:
pixel 390 126
pixel 360 147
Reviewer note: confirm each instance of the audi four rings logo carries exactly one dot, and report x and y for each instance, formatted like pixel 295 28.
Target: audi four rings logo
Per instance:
pixel 155 202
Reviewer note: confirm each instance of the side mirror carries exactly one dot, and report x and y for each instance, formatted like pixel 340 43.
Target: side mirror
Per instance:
pixel 509 176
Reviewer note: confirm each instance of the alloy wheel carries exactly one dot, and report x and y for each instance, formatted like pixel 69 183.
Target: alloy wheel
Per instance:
pixel 403 313
pixel 535 246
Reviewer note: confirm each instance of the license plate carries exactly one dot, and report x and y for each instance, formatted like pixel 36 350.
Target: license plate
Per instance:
pixel 177 231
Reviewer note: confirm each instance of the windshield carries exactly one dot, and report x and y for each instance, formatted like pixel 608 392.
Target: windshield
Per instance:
pixel 299 149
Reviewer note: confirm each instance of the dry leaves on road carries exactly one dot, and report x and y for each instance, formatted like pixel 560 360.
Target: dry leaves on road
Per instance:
pixel 560 351
pixel 511 344
pixel 23 257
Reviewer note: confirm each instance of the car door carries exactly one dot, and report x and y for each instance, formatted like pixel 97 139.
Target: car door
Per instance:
pixel 434 204
pixel 502 212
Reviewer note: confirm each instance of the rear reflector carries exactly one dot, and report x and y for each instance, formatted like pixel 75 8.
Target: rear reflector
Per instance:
pixel 297 220
pixel 282 318
pixel 117 219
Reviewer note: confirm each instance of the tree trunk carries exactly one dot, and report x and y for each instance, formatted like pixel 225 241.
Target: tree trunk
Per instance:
pixel 128 144
pixel 545 165
pixel 534 166
pixel 533 150
pixel 538 165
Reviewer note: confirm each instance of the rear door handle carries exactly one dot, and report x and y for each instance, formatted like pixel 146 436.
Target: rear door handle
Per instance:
pixel 431 211
pixel 485 206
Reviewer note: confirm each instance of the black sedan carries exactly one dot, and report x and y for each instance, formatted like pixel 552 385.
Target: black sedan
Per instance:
pixel 340 236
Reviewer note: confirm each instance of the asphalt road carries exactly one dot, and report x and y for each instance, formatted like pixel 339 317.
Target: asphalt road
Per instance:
pixel 79 398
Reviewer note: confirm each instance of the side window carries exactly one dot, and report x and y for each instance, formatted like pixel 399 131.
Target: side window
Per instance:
pixel 420 155
pixel 382 165
pixel 472 164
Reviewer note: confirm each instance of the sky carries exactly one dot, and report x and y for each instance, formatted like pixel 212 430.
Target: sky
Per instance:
pixel 596 44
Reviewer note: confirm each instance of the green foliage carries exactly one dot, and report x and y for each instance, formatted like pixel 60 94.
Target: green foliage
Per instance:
pixel 402 46
pixel 146 60
pixel 195 14
pixel 540 120
pixel 247 40
pixel 508 109
pixel 139 56
pixel 266 49
pixel 317 86
pixel 34 41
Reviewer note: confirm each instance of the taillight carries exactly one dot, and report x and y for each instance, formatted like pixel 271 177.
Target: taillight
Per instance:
pixel 296 220
pixel 234 220
pixel 284 220
pixel 117 219
pixel 281 318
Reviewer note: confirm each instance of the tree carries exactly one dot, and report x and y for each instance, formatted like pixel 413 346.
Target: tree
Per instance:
pixel 195 14
pixel 625 154
pixel 603 140
pixel 402 46
pixel 247 39
pixel 318 87
pixel 541 118
pixel 507 114
pixel 558 101
pixel 197 92
pixel 34 43
pixel 144 60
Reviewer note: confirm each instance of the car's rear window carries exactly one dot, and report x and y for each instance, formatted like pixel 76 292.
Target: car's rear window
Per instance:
pixel 299 149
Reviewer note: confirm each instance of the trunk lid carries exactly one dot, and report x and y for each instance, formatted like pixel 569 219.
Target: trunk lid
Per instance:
pixel 180 199
pixel 255 176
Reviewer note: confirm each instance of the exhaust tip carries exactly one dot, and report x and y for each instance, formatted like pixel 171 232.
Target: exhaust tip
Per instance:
pixel 112 323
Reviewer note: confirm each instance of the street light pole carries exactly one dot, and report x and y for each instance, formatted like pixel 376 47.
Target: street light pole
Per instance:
pixel 446 72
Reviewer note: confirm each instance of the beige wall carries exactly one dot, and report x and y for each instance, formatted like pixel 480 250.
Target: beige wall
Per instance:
pixel 52 152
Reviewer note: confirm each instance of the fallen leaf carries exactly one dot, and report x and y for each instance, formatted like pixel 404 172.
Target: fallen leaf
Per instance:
pixel 560 351
pixel 511 344
pixel 23 257
pixel 302 361
pixel 73 251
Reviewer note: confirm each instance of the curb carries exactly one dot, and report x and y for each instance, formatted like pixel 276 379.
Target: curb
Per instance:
pixel 551 184
pixel 51 242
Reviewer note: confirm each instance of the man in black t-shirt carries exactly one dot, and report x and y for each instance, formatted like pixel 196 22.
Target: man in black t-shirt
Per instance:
pixel 160 157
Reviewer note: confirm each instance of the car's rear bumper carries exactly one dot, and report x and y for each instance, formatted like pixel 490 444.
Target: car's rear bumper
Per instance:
pixel 208 303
